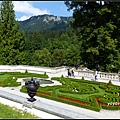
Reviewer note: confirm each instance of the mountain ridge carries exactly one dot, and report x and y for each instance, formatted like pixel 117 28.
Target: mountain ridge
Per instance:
pixel 45 22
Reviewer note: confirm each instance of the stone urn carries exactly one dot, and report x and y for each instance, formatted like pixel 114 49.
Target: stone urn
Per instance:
pixel 32 87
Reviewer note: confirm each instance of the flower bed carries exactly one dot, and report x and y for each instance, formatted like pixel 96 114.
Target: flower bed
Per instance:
pixel 72 100
pixel 46 94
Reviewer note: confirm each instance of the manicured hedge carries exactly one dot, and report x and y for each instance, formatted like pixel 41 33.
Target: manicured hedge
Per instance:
pixel 111 107
pixel 71 103
pixel 11 80
pixel 73 86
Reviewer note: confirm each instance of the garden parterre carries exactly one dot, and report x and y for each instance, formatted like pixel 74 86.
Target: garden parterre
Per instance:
pixel 80 92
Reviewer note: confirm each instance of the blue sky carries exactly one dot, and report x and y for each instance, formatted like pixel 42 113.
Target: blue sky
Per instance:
pixel 26 9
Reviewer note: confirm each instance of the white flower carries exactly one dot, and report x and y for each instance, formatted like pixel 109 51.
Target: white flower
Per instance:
pixel 22 114
pixel 21 111
pixel 13 108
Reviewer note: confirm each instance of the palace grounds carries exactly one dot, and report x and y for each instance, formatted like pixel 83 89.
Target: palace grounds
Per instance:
pixel 54 109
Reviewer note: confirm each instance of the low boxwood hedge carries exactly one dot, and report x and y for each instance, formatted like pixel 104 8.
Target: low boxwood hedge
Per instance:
pixel 111 107
pixel 73 86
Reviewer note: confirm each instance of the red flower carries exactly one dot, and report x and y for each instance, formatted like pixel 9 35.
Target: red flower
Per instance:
pixel 71 100
pixel 44 93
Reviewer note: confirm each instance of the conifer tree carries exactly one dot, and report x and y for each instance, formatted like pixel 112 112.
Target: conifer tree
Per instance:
pixel 12 40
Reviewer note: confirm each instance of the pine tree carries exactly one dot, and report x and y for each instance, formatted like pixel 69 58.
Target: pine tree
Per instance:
pixel 12 40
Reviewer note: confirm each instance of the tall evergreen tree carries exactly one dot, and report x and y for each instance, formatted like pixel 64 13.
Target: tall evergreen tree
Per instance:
pixel 12 40
pixel 97 26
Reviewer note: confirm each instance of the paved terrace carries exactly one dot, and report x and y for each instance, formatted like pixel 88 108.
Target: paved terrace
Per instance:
pixel 49 109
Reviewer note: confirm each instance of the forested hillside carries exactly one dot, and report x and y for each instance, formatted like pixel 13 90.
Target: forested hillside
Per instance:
pixel 52 48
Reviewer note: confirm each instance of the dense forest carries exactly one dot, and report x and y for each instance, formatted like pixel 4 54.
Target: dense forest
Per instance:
pixel 93 39
pixel 52 48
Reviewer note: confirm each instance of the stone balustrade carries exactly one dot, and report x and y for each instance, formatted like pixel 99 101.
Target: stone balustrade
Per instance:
pixel 112 76
pixel 101 75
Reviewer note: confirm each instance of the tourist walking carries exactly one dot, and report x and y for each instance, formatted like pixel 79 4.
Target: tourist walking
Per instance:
pixel 69 74
pixel 96 74
pixel 72 72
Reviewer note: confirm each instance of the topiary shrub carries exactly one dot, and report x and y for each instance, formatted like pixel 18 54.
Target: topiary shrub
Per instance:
pixel 45 73
pixel 62 76
pixel 54 93
pixel 110 82
pixel 26 71
pixel 95 103
pixel 83 78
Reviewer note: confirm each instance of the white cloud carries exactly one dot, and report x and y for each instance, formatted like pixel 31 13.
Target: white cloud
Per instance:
pixel 28 9
pixel 25 17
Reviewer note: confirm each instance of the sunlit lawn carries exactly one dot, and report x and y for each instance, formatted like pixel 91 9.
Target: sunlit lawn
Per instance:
pixel 3 77
pixel 12 112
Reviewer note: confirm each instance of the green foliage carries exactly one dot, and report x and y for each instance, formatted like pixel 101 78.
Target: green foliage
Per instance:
pixel 44 47
pixel 113 89
pixel 62 76
pixel 23 89
pixel 58 56
pixel 21 75
pixel 111 107
pixel 12 40
pixel 73 90
pixel 103 86
pixel 42 57
pixel 26 71
pixel 10 78
pixel 82 78
pixel 110 82
pixel 14 113
pixel 45 73
pixel 78 88
pixel 95 103
pixel 10 81
pixel 108 98
pixel 97 27
pixel 54 93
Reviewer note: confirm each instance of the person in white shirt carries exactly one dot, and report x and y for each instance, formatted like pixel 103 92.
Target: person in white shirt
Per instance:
pixel 96 74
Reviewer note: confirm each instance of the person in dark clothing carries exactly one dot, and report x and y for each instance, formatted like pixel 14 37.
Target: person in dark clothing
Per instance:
pixel 72 72
pixel 69 74
pixel 76 66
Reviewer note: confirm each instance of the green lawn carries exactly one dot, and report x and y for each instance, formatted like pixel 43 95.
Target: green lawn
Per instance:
pixel 10 78
pixel 12 112
pixel 3 77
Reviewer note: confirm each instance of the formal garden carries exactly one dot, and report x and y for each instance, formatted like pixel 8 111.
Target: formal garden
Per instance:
pixel 92 38
pixel 83 93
